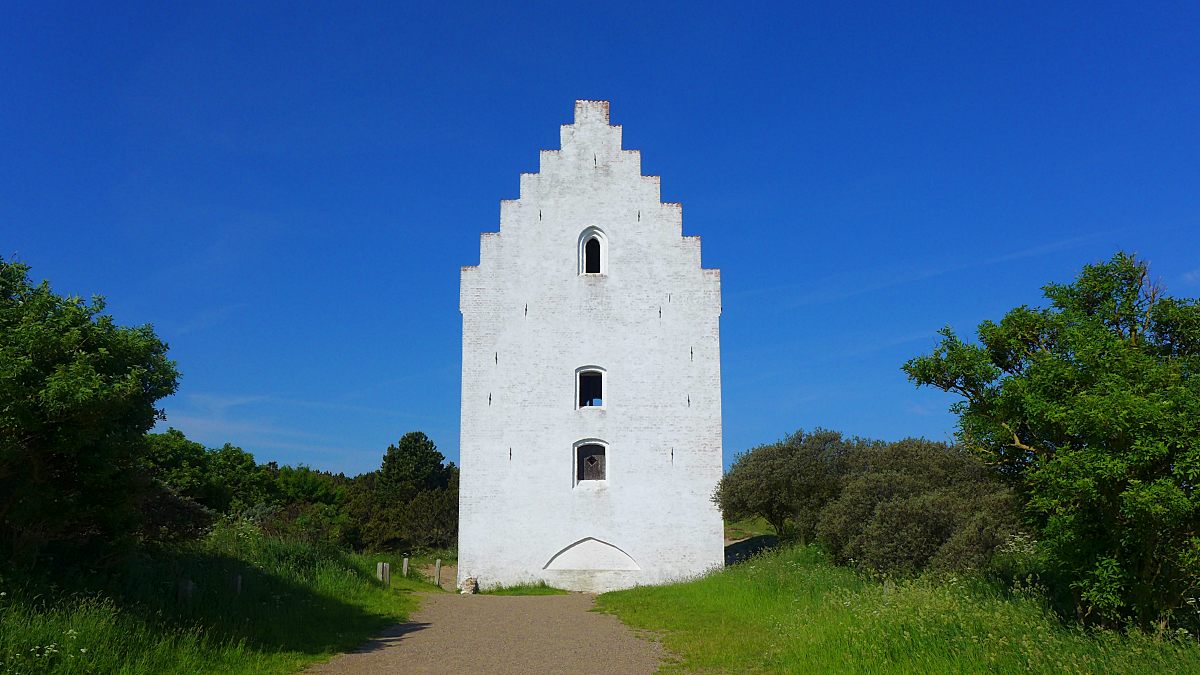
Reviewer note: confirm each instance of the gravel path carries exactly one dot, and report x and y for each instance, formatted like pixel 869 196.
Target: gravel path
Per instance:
pixel 503 634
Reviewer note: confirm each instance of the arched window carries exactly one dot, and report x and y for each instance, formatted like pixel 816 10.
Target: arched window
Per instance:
pixel 591 462
pixel 593 251
pixel 589 387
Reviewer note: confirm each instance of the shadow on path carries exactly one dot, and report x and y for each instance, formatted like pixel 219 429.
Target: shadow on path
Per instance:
pixel 392 636
pixel 746 548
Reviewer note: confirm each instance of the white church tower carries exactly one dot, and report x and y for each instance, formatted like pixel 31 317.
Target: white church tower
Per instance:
pixel 591 380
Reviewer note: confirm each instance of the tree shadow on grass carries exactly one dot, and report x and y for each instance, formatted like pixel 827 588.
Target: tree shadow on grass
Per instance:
pixel 296 609
pixel 747 548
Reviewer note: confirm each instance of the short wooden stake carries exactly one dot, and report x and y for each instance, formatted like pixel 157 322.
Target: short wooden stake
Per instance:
pixel 404 568
pixel 437 572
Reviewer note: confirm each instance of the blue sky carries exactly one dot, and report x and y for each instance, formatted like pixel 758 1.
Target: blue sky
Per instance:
pixel 287 192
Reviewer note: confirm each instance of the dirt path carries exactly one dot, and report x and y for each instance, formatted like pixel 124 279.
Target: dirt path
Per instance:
pixel 453 633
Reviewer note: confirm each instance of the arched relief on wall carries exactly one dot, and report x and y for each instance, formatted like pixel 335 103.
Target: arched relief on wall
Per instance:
pixel 591 554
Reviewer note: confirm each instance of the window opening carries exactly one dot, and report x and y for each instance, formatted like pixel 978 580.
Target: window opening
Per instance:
pixel 591 389
pixel 591 254
pixel 590 462
pixel 593 251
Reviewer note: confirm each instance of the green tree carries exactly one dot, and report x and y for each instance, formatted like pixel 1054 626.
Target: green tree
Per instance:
pixel 225 479
pixel 411 466
pixel 1092 406
pixel 77 395
pixel 787 483
pixel 243 482
pixel 183 465
pixel 304 484
pixel 411 501
pixel 431 519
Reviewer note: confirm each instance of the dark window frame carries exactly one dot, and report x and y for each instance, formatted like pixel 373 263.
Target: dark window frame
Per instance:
pixel 591 462
pixel 589 389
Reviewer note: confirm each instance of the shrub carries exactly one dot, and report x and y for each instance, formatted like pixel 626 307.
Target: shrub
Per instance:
pixel 786 483
pixel 916 504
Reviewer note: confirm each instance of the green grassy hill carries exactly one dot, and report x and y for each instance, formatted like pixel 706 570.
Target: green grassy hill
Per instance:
pixel 299 603
pixel 792 611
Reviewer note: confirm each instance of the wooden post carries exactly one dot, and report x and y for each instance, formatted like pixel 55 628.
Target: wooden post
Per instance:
pixel 379 571
pixel 387 574
pixel 404 568
pixel 237 584
pixel 437 572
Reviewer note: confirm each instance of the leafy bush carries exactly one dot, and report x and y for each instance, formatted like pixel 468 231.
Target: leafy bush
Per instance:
pixel 890 507
pixel 917 504
pixel 786 483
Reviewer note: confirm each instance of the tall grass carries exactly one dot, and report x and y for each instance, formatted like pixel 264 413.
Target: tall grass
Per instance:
pixel 299 603
pixel 793 611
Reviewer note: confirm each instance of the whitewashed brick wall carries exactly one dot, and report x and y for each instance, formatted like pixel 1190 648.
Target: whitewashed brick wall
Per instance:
pixel 530 320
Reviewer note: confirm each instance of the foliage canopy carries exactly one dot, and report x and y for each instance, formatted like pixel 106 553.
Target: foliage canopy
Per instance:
pixel 888 507
pixel 1092 406
pixel 77 394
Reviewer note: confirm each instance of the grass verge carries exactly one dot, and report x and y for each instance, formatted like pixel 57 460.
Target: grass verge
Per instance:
pixel 298 604
pixel 540 588
pixel 747 528
pixel 793 611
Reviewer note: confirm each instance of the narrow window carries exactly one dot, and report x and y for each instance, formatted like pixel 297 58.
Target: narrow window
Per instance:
pixel 593 251
pixel 591 255
pixel 589 463
pixel 591 389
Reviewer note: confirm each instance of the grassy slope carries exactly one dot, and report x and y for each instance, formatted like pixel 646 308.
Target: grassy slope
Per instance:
pixel 299 604
pixel 793 611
